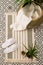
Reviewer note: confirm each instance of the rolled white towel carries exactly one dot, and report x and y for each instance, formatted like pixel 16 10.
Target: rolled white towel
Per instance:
pixel 37 12
pixel 35 15
pixel 38 9
pixel 8 42
pixel 27 10
pixel 21 23
pixel 11 48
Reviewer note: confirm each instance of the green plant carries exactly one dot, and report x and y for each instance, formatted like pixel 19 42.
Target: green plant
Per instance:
pixel 25 2
pixel 31 52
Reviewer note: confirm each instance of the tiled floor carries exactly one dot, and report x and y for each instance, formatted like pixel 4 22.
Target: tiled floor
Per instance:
pixel 5 7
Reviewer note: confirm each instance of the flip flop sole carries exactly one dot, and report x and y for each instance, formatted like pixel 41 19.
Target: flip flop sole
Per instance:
pixel 8 43
pixel 11 48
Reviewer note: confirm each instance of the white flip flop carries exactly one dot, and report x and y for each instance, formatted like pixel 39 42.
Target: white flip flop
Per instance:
pixel 11 48
pixel 8 42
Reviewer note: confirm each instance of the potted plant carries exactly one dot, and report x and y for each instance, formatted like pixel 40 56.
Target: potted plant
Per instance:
pixel 31 52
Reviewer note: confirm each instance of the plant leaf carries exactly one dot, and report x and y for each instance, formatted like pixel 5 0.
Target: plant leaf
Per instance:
pixel 17 0
pixel 25 46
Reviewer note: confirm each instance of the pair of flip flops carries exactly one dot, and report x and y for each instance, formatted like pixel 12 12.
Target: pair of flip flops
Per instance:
pixel 10 45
